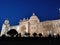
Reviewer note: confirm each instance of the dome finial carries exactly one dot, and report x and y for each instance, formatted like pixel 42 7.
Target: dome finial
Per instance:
pixel 6 21
pixel 33 14
pixel 59 10
pixel 59 14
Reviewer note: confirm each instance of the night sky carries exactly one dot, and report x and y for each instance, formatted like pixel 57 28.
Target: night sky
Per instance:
pixel 14 10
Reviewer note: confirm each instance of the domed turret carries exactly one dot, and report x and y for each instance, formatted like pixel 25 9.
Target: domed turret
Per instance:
pixel 34 18
pixel 6 22
pixel 5 27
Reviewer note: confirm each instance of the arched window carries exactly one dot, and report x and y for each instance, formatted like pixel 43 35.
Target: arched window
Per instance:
pixel 33 27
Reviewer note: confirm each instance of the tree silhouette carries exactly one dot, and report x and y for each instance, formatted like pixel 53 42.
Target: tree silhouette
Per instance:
pixel 27 34
pixel 58 35
pixel 4 36
pixel 12 32
pixel 49 35
pixel 34 34
pixel 40 34
pixel 19 35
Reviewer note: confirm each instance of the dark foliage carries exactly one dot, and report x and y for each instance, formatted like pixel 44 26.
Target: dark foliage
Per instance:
pixel 35 34
pixel 19 35
pixel 40 34
pixel 49 35
pixel 12 32
pixel 4 36
pixel 58 35
pixel 27 34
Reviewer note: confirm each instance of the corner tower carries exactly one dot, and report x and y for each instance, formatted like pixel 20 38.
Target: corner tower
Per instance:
pixel 5 27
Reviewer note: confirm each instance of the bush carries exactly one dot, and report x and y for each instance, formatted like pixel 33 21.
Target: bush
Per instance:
pixel 58 35
pixel 40 34
pixel 27 34
pixel 34 34
pixel 19 35
pixel 4 36
pixel 12 32
pixel 49 35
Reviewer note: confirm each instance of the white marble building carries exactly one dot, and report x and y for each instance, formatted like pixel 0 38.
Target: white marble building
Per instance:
pixel 33 25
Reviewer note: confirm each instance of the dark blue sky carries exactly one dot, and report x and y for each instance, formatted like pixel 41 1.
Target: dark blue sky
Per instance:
pixel 15 10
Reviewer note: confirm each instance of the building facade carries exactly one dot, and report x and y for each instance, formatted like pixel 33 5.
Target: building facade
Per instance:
pixel 33 25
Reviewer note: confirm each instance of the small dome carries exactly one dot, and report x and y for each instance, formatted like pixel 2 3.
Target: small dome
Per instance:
pixel 34 17
pixel 6 22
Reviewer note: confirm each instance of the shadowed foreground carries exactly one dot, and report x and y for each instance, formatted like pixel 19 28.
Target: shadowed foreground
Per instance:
pixel 29 40
pixel 37 39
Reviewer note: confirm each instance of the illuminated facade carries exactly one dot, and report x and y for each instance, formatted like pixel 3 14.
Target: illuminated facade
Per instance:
pixel 33 25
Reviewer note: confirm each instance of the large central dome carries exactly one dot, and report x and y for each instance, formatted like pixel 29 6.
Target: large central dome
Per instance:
pixel 34 18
